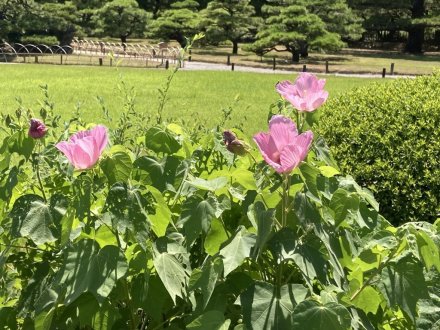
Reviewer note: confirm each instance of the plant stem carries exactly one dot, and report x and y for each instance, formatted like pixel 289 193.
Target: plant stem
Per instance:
pixel 37 171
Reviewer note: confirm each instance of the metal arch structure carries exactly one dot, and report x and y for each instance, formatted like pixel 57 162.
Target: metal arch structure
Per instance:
pixel 136 53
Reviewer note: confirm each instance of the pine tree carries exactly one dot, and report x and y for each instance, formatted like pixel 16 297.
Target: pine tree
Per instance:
pixel 229 20
pixel 290 26
pixel 178 22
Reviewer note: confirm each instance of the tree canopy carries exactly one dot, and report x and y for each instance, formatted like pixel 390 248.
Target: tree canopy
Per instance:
pixel 295 25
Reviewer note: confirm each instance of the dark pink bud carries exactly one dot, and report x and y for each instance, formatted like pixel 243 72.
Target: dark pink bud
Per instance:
pixel 37 129
pixel 228 137
pixel 234 145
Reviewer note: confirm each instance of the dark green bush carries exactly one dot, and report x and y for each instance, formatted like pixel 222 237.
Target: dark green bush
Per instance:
pixel 387 136
pixel 39 40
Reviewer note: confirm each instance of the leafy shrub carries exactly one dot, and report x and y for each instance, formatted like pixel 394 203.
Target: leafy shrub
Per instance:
pixel 387 136
pixel 171 230
pixel 39 40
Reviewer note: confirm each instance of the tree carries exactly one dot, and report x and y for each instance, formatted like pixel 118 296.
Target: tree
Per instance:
pixel 11 12
pixel 51 19
pixel 229 20
pixel 121 18
pixel 290 26
pixel 409 18
pixel 176 23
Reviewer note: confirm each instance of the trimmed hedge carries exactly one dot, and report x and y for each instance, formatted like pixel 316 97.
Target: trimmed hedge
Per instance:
pixel 39 40
pixel 388 137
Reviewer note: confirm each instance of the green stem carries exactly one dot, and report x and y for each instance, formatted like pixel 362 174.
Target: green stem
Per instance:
pixel 37 171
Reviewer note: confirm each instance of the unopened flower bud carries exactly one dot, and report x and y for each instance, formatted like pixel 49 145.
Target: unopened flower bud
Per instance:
pixel 37 129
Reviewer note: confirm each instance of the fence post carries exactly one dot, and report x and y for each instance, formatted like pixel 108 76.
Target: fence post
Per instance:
pixel 229 60
pixel 326 67
pixel 167 64
pixel 233 66
pixel 304 68
pixel 274 63
pixel 392 69
pixel 384 71
pixel 36 59
pixel 100 61
pixel 189 57
pixel 111 61
pixel 61 59
pixel 24 59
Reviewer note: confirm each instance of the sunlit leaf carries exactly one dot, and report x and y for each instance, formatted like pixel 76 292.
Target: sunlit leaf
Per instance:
pixel 311 315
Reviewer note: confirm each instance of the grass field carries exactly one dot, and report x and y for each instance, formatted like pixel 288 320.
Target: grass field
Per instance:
pixel 200 95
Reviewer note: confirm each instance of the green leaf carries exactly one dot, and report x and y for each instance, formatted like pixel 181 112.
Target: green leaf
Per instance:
pixel 323 152
pixel 310 175
pixel 117 166
pixel 66 226
pixel 32 217
pixel 311 315
pixel 263 220
pixel 206 278
pixel 215 238
pixel 8 317
pixel 428 250
pixel 329 171
pixel 196 216
pixel 43 321
pixel 87 268
pixel 162 216
pixel 172 273
pixel 265 308
pixel 160 140
pixel 403 284
pixel 21 143
pixel 214 320
pixel 237 250
pixel 368 300
pixel 210 185
pixel 127 207
pixel 343 203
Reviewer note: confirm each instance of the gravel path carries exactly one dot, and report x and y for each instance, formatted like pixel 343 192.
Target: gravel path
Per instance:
pixel 204 66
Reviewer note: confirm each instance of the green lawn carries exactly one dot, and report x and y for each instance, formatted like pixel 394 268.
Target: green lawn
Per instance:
pixel 192 94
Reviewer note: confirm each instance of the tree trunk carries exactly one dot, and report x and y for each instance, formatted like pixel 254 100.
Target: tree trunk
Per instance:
pixel 234 47
pixel 124 42
pixel 295 56
pixel 416 34
pixel 304 51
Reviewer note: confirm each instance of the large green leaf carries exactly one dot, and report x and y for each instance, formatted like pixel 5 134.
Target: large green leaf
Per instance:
pixel 206 278
pixel 164 174
pixel 117 165
pixel 86 268
pixel 311 315
pixel 196 216
pixel 172 273
pixel 263 220
pixel 403 285
pixel 32 217
pixel 343 203
pixel 8 318
pixel 161 217
pixel 268 307
pixel 237 250
pixel 210 185
pixel 21 143
pixel 429 309
pixel 127 207
pixel 160 140
pixel 212 320
pixel 216 236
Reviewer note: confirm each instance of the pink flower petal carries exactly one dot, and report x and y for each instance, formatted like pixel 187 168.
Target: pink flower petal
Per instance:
pixel 99 133
pixel 267 150
pixel 282 130
pixel 293 154
pixel 66 149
